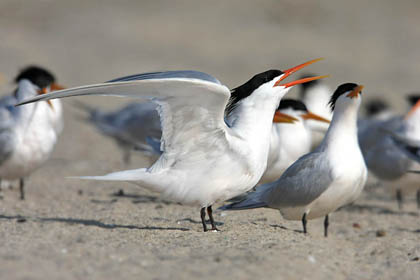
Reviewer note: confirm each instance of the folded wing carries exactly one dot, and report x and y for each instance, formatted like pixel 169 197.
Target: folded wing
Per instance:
pixel 301 183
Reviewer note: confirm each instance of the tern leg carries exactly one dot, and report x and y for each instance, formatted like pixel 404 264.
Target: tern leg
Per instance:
pixel 399 199
pixel 203 218
pixel 304 221
pixel 418 199
pixel 210 212
pixel 22 188
pixel 127 157
pixel 326 224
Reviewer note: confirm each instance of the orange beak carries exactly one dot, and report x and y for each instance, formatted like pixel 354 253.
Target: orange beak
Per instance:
pixel 283 118
pixel 55 87
pixel 312 116
pixel 292 70
pixel 356 91
pixel 413 109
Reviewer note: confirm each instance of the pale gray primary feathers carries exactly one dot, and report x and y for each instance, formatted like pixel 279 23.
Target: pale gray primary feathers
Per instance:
pixel 197 110
pixel 188 74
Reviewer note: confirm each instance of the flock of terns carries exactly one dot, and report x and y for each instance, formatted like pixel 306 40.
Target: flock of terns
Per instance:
pixel 249 145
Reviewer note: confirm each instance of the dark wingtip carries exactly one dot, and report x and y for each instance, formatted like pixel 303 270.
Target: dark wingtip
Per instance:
pixel 27 102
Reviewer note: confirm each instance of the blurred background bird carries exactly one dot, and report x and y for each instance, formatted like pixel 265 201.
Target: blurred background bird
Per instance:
pixel 382 140
pixel 28 134
pixel 316 95
pixel 289 139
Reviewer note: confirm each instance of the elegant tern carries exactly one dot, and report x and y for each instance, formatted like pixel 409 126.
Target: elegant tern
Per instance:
pixel 28 134
pixel 204 159
pixel 320 182
pixel 132 127
pixel 389 147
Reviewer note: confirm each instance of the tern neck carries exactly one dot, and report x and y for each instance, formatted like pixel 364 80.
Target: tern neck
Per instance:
pixel 253 116
pixel 342 132
pixel 251 123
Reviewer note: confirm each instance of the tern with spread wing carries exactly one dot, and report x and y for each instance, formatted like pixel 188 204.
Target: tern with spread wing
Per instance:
pixel 28 134
pixel 289 139
pixel 204 159
pixel 320 182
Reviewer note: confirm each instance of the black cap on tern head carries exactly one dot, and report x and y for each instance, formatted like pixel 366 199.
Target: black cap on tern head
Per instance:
pixel 245 90
pixel 413 98
pixel 37 75
pixel 375 106
pixel 294 104
pixel 342 89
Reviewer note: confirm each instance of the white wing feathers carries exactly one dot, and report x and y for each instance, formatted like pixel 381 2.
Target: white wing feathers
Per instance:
pixel 191 111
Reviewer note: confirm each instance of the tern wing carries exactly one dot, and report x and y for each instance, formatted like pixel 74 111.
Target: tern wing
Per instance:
pixel 7 121
pixel 410 147
pixel 301 183
pixel 191 112
pixel 188 74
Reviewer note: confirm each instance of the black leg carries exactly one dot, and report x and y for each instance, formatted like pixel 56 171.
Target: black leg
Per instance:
pixel 418 199
pixel 127 157
pixel 210 212
pixel 399 199
pixel 304 221
pixel 203 218
pixel 22 188
pixel 326 223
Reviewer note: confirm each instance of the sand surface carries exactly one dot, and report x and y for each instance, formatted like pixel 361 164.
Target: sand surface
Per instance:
pixel 70 229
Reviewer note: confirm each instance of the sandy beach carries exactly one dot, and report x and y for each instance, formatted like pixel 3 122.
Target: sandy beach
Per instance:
pixel 73 229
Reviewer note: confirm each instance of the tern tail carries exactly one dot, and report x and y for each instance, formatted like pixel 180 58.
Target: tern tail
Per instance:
pixel 142 177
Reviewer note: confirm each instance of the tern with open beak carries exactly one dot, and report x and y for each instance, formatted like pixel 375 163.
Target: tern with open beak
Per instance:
pixel 205 159
pixel 320 182
pixel 28 134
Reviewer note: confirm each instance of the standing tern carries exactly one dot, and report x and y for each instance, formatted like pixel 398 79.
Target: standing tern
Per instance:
pixel 28 134
pixel 132 126
pixel 316 96
pixel 389 147
pixel 136 126
pixel 289 141
pixel 204 160
pixel 320 182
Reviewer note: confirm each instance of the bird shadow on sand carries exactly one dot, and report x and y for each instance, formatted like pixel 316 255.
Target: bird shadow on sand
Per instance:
pixel 86 222
pixel 377 210
pixel 136 198
pixel 285 228
pixel 189 220
pixel 409 230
